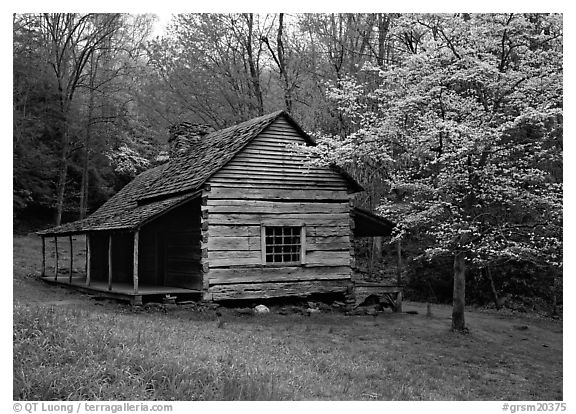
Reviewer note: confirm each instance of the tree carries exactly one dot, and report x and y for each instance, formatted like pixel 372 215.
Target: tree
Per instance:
pixel 211 66
pixel 76 79
pixel 469 129
pixel 72 40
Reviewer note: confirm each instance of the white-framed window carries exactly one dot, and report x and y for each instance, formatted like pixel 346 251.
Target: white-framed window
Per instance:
pixel 283 245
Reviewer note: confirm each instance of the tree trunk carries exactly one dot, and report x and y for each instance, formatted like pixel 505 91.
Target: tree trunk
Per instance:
pixel 282 64
pixel 458 300
pixel 62 177
pixel 254 72
pixel 493 289
pixel 383 25
pixel 86 161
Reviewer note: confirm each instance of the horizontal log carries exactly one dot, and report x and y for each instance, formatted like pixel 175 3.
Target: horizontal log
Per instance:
pixel 231 258
pixel 278 166
pixel 272 144
pixel 313 258
pixel 255 167
pixel 233 192
pixel 233 231
pixel 275 184
pixel 279 220
pixel 328 231
pixel 332 258
pixel 275 160
pixel 284 183
pixel 281 133
pixel 276 274
pixel 271 290
pixel 278 174
pixel 234 243
pixel 279 153
pixel 327 243
pixel 280 137
pixel 271 207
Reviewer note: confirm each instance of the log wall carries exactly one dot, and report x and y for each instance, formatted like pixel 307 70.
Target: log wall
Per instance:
pixel 266 184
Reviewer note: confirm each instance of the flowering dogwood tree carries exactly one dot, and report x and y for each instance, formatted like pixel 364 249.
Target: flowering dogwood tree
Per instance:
pixel 468 127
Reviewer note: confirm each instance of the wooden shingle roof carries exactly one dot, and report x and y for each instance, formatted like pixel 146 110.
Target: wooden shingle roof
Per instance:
pixel 170 184
pixel 122 211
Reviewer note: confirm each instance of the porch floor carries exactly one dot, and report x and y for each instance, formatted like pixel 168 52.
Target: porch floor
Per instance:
pixel 119 290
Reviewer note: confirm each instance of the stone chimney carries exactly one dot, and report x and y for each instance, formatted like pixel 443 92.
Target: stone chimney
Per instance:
pixel 184 136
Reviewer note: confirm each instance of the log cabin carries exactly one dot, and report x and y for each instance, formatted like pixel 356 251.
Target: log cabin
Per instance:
pixel 233 214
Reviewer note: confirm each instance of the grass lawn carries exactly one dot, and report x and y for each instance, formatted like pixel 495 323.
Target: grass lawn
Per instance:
pixel 69 346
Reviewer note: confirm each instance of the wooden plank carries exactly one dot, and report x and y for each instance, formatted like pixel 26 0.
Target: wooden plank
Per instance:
pixel 271 290
pixel 277 179
pixel 276 175
pixel 233 231
pixel 234 243
pixel 110 261
pixel 271 207
pixel 257 148
pixel 260 155
pixel 135 263
pixel 233 192
pixel 71 261
pixel 43 256
pixel 56 264
pixel 328 243
pixel 276 161
pixel 279 138
pixel 278 167
pixel 255 219
pixel 328 231
pixel 88 259
pixel 233 254
pixel 274 184
pixel 334 258
pixel 276 274
pixel 230 258
pixel 271 144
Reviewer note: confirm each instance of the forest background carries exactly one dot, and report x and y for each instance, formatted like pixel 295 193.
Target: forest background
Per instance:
pixel 452 123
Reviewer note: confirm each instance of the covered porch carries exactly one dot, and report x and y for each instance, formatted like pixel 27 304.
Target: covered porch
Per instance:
pixel 368 224
pixel 159 257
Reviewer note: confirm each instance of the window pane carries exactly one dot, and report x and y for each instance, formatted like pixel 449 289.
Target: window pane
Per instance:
pixel 282 244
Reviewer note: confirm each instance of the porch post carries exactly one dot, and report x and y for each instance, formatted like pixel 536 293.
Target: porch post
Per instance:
pixel 88 259
pixel 110 261
pixel 71 261
pixel 43 256
pixel 56 266
pixel 135 270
